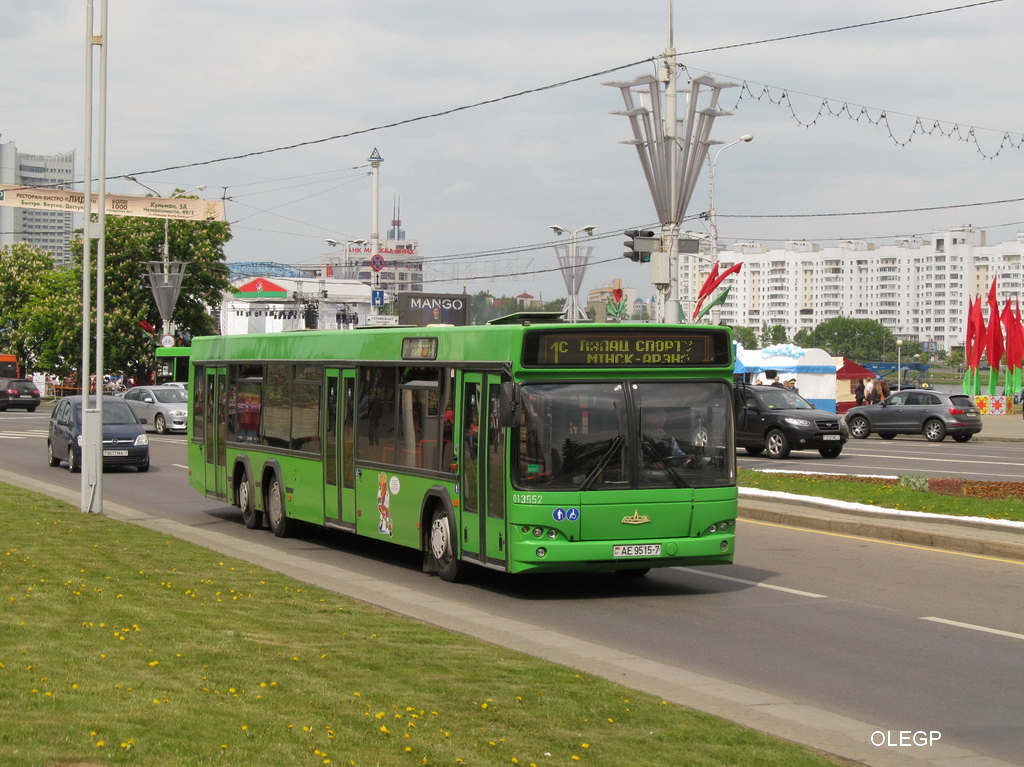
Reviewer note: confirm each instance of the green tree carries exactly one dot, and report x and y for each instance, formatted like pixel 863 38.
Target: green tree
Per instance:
pixel 23 270
pixel 773 334
pixel 856 339
pixel 746 337
pixel 133 242
pixel 51 326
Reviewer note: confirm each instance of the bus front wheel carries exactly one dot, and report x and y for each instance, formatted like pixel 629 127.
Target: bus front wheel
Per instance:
pixel 280 525
pixel 441 547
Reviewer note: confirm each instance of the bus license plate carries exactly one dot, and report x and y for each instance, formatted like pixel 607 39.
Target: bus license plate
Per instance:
pixel 637 550
pixel 115 453
pixel 828 437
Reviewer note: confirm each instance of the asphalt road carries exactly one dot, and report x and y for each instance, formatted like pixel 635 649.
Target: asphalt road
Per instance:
pixel 987 457
pixel 822 638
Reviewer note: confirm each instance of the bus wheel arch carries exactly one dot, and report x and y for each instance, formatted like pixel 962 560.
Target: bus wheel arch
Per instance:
pixel 245 495
pixel 274 501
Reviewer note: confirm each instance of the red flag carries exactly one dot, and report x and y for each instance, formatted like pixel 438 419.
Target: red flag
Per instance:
pixel 148 327
pixel 713 281
pixel 1014 337
pixel 705 289
pixel 977 336
pixel 969 337
pixel 995 334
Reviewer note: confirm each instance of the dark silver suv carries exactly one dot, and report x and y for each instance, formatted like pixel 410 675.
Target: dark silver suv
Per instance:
pixel 18 392
pixel 917 411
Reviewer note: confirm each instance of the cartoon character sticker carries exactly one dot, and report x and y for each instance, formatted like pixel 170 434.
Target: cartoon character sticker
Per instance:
pixel 384 505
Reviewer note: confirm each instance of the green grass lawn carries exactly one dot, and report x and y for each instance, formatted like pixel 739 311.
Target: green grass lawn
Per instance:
pixel 903 495
pixel 120 645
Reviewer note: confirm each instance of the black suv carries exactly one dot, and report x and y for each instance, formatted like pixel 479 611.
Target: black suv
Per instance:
pixel 777 420
pixel 18 392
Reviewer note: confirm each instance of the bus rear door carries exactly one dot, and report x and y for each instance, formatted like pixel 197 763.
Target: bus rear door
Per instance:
pixel 215 431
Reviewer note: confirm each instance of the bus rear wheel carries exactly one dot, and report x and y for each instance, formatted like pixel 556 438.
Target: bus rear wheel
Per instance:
pixel 441 547
pixel 280 525
pixel 253 519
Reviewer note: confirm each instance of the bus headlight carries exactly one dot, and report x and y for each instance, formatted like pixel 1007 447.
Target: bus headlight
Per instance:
pixel 538 532
pixel 542 552
pixel 552 534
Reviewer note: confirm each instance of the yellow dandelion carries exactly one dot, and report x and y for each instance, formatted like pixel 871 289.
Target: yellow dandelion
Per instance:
pixel 154 663
pixel 100 744
pixel 384 729
pixel 408 749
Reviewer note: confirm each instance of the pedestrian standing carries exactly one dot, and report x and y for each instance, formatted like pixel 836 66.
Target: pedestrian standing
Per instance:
pixel 869 391
pixel 858 393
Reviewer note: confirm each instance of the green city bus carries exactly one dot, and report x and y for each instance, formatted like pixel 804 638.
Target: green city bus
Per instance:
pixel 171 364
pixel 521 445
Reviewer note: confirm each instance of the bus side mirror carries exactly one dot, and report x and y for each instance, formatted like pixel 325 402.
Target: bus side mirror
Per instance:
pixel 508 405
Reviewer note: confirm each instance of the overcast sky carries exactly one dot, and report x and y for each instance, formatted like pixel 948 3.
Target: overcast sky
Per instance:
pixel 191 82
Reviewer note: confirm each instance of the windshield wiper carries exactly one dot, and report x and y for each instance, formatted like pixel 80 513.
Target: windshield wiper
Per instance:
pixel 608 454
pixel 650 450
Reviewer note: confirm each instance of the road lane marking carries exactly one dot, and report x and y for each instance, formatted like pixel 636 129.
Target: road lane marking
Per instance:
pixel 753 583
pixel 880 540
pixel 986 629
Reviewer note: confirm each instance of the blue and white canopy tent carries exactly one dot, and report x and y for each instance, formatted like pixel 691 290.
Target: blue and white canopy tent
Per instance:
pixel 813 369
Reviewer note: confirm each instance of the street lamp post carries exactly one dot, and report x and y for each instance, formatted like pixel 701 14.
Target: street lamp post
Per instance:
pixel 712 213
pixel 166 255
pixel 899 363
pixel 573 268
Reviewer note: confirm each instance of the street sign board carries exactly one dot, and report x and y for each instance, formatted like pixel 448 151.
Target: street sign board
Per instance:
pixel 377 262
pixel 377 298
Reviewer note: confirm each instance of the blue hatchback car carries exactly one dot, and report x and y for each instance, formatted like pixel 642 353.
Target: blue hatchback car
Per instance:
pixel 124 439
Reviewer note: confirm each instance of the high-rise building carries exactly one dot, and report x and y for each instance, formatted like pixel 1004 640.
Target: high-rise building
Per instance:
pixel 47 230
pixel 918 288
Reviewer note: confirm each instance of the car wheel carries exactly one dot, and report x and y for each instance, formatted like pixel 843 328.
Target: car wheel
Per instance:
pixel 776 444
pixel 832 451
pixel 50 457
pixel 887 435
pixel 934 430
pixel 754 450
pixel 253 519
pixel 441 547
pixel 962 437
pixel 33 409
pixel 279 523
pixel 160 424
pixel 859 427
pixel 143 467
pixel 73 466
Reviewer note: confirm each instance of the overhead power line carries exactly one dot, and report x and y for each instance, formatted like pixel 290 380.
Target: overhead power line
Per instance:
pixel 553 86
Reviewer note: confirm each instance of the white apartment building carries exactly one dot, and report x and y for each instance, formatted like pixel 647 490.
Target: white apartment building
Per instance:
pixel 919 289
pixel 47 230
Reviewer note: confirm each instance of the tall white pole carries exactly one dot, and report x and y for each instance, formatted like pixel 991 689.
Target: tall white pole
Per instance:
pixel 671 307
pixel 713 212
pixel 375 161
pixel 83 373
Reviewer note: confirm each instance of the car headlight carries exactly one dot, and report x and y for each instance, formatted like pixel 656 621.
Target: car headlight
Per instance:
pixel 176 413
pixel 78 440
pixel 798 421
pixel 140 440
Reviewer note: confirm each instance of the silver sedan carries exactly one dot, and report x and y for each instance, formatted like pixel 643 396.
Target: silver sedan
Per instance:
pixel 165 407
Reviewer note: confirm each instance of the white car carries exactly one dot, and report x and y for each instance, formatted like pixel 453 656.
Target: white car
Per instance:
pixel 165 407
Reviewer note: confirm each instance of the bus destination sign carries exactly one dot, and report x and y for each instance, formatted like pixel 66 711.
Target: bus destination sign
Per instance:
pixel 636 348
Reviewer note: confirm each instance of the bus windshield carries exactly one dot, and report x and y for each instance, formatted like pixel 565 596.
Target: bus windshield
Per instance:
pixel 624 434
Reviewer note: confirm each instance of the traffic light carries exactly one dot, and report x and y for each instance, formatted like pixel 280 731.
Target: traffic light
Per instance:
pixel 641 244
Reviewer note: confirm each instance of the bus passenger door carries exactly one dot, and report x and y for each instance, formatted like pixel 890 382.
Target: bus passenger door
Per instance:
pixel 339 455
pixel 215 432
pixel 483 535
